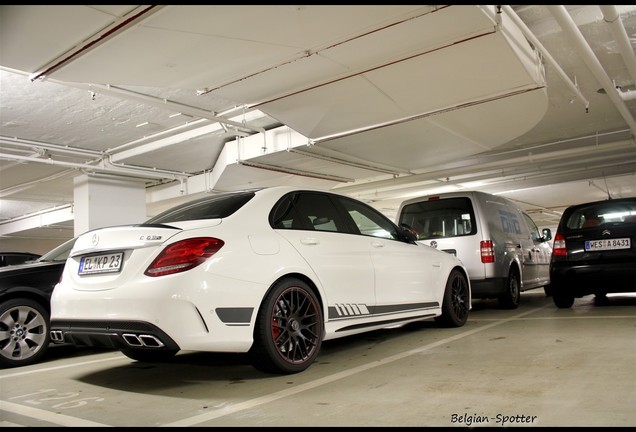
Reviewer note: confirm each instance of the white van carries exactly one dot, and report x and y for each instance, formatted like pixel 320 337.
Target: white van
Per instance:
pixel 498 242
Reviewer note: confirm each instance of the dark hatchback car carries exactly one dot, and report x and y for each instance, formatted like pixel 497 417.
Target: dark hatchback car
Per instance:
pixel 594 251
pixel 13 258
pixel 25 293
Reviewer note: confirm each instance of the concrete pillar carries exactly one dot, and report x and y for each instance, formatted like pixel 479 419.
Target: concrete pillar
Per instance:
pixel 102 200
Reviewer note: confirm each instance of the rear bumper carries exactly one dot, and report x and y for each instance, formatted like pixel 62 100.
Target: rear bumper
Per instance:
pixel 582 280
pixel 111 334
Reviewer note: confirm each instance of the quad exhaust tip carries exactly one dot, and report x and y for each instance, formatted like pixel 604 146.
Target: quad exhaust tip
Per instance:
pixel 134 340
pixel 142 340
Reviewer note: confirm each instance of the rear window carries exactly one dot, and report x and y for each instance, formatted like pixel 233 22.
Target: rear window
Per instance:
pixel 602 213
pixel 212 207
pixel 450 217
pixel 16 258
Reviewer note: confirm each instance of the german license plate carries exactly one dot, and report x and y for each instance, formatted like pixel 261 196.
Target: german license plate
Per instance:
pixel 108 263
pixel 607 244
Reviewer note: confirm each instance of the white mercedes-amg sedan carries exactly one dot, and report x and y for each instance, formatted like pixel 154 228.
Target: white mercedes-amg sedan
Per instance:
pixel 270 272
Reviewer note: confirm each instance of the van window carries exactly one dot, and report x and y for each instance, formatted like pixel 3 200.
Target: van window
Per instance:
pixel 534 231
pixel 451 217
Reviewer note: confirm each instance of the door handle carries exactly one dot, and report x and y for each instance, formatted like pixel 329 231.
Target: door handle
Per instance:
pixel 309 241
pixel 377 244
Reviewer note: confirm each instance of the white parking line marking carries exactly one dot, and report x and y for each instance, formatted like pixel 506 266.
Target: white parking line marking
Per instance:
pixel 9 424
pixel 58 419
pixel 231 409
pixel 64 420
pixel 72 365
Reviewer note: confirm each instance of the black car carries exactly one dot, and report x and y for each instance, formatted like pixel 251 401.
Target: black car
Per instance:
pixel 25 292
pixel 594 251
pixel 13 258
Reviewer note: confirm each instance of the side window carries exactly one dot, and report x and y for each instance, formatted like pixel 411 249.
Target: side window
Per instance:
pixel 307 211
pixel 534 231
pixel 283 214
pixel 368 221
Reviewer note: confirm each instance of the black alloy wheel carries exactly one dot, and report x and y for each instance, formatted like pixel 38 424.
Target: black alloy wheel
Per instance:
pixel 289 329
pixel 456 303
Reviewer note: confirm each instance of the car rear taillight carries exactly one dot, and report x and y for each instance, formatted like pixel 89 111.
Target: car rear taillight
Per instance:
pixel 558 247
pixel 487 250
pixel 183 255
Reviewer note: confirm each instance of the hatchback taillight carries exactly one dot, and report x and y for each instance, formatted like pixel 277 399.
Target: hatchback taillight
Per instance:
pixel 487 250
pixel 183 255
pixel 558 247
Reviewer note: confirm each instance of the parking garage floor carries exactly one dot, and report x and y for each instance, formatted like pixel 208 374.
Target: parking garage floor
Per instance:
pixel 535 366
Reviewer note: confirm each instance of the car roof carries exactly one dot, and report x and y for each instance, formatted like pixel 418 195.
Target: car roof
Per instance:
pixel 606 201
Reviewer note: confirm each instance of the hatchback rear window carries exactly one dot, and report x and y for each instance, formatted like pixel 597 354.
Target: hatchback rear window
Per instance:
pixel 211 207
pixel 603 213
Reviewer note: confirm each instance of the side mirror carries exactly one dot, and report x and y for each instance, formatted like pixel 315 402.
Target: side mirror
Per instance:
pixel 408 232
pixel 547 234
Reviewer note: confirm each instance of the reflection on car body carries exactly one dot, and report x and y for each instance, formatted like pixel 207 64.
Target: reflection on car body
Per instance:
pixel 271 272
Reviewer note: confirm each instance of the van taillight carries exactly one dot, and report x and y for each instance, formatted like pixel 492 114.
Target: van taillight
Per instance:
pixel 558 248
pixel 487 250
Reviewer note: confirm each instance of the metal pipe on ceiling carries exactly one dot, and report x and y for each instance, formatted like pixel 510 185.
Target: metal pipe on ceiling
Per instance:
pixel 365 166
pixel 616 163
pixel 568 25
pixel 491 164
pixel 132 18
pixel 300 173
pixel 532 38
pixel 613 18
pixel 165 103
pixel 128 171
pixel 75 151
pixel 24 186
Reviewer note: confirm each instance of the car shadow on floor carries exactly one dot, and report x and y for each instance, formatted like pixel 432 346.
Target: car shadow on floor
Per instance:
pixel 65 351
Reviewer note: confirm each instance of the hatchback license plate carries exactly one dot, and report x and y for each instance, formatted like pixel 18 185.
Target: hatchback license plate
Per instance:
pixel 607 244
pixel 100 263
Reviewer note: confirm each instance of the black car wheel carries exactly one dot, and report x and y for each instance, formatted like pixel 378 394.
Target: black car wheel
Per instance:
pixel 289 329
pixel 511 297
pixel 547 290
pixel 24 332
pixel 562 298
pixel 600 299
pixel 455 305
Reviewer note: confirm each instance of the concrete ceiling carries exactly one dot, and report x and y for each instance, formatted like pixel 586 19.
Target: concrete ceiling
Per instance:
pixel 379 102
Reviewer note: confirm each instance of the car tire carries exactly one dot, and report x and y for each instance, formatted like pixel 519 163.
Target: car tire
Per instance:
pixel 562 300
pixel 456 303
pixel 547 290
pixel 289 329
pixel 600 299
pixel 148 355
pixel 512 296
pixel 25 332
